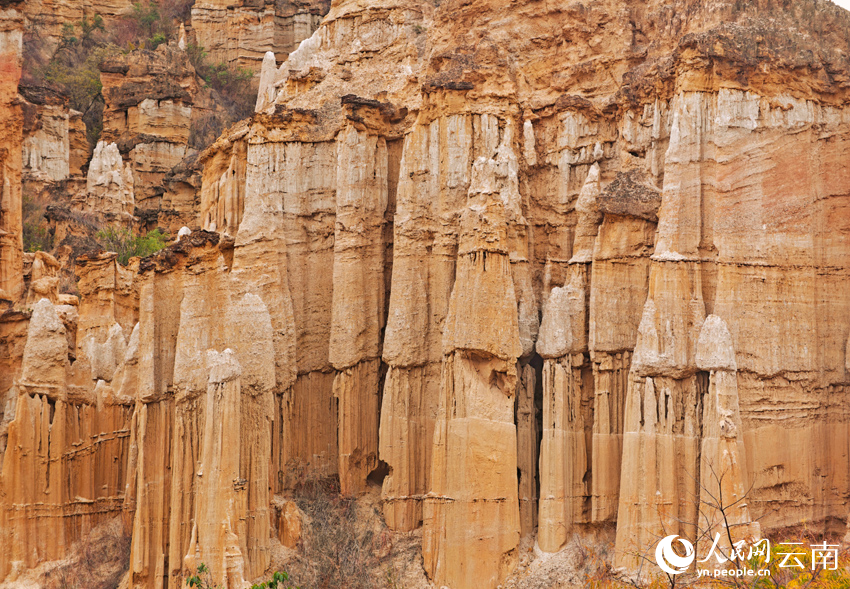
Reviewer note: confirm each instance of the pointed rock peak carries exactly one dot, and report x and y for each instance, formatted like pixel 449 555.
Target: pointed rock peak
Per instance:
pixel 223 366
pixel 116 331
pixel 132 352
pixel 646 359
pixel 45 318
pixel 268 75
pixel 586 202
pixel 714 347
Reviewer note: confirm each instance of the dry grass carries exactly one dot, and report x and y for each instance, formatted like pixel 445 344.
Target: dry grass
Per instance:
pixel 36 233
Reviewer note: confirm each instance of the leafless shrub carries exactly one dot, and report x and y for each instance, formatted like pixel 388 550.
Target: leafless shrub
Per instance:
pixel 99 561
pixel 337 550
pixel 36 233
pixel 68 283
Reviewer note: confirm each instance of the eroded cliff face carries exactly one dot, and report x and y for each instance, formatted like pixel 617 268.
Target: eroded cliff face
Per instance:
pixel 536 268
pixel 242 31
pixel 11 138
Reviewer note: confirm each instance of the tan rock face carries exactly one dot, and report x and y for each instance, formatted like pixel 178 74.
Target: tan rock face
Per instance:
pixel 290 524
pixel 60 427
pixel 46 17
pixel 600 251
pixel 46 151
pixel 241 32
pixel 471 520
pixel 109 182
pixel 11 138
pixel 149 99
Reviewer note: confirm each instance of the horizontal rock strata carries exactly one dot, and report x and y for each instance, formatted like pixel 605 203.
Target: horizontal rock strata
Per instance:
pixel 533 269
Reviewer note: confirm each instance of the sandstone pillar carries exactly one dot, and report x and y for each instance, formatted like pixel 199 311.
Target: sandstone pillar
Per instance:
pixel 659 482
pixel 564 466
pixel 358 301
pixel 11 140
pixel 432 186
pixel 527 446
pixel 471 524
pixel 221 505
pixel 724 476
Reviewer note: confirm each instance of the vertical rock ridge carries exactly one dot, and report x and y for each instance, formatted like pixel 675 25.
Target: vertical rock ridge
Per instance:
pixel 644 287
pixel 358 315
pixel 471 520
pixel 11 158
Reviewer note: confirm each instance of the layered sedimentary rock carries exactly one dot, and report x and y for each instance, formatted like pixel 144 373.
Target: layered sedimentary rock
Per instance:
pixel 64 424
pixel 697 257
pixel 619 243
pixel 47 146
pixel 240 32
pixel 11 138
pixel 468 252
pixel 109 182
pixel 471 527
pixel 55 147
pixel 45 18
pixel 181 199
pixel 206 473
pixel 150 105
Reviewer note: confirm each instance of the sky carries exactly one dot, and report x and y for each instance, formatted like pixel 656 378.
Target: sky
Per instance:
pixel 843 3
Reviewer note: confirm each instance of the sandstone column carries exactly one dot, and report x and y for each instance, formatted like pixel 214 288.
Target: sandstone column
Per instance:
pixel 723 468
pixel 471 524
pixel 358 301
pixel 563 450
pixel 11 140
pixel 661 445
pixel 432 187
pixel 527 447
pixel 221 491
pixel 31 482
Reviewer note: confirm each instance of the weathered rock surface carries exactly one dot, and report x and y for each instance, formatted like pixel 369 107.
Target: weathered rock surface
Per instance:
pixel 467 252
pixel 150 104
pixel 242 31
pixel 11 139
pixel 45 18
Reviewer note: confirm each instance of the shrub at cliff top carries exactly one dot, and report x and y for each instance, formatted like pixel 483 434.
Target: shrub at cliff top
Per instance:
pixel 127 245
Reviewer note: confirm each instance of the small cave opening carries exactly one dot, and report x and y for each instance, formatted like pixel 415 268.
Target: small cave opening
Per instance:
pixel 378 474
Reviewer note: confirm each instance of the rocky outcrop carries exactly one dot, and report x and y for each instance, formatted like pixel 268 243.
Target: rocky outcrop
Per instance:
pixel 47 142
pixel 149 97
pixel 45 18
pixel 573 266
pixel 620 240
pixel 62 424
pixel 109 183
pixel 11 139
pixel 181 199
pixel 471 527
pixel 241 32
